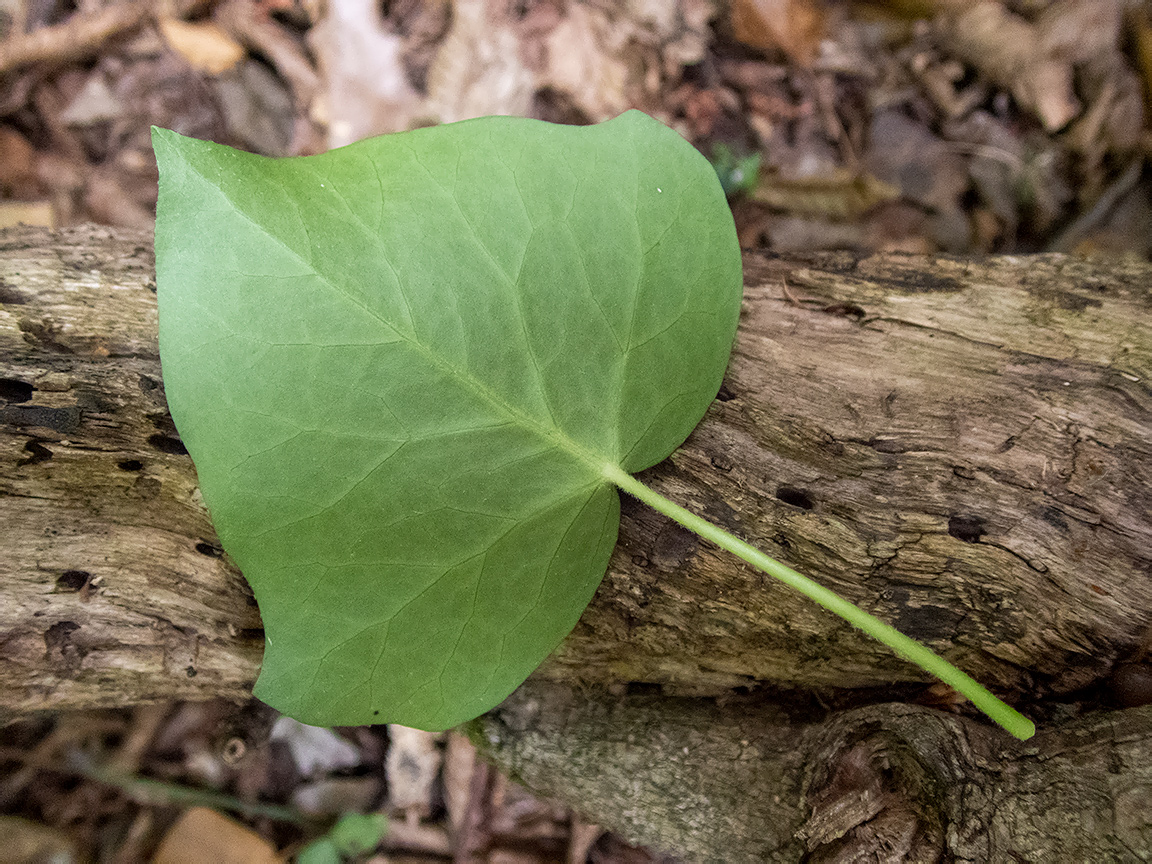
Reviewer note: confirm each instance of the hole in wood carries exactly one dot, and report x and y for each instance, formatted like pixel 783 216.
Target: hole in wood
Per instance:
pixel 167 444
pixel 13 390
pixel 209 549
pixel 38 453
pixel 967 528
pixel 73 580
pixel 795 497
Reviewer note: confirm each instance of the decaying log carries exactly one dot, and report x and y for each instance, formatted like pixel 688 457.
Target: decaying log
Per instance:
pixel 113 588
pixel 745 782
pixel 963 448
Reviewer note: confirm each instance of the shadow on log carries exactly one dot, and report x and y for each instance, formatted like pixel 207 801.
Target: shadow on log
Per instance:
pixel 963 448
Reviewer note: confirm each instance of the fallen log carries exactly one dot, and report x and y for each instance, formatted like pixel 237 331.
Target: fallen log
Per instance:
pixel 757 781
pixel 963 448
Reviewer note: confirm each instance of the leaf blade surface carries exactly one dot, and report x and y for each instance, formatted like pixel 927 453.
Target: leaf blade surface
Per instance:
pixel 400 368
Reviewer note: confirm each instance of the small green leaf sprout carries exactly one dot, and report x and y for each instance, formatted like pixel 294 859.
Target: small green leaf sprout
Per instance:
pixel 737 175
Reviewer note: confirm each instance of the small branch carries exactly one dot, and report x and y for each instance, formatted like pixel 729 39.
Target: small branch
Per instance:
pixel 76 39
pixel 144 790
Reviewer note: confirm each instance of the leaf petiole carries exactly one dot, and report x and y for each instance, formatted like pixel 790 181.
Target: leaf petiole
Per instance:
pixel 1013 721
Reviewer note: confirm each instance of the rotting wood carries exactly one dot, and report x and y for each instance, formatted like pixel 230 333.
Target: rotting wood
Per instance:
pixel 745 782
pixel 962 447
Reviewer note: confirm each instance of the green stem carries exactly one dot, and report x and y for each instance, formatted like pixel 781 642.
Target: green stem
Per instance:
pixel 910 649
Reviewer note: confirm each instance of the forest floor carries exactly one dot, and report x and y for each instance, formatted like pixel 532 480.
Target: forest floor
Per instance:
pixel 937 126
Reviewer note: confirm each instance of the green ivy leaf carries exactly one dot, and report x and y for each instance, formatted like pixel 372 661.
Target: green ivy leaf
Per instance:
pixel 322 851
pixel 356 833
pixel 403 369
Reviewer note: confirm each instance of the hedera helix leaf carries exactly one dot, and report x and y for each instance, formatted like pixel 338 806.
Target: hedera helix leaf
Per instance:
pixel 411 373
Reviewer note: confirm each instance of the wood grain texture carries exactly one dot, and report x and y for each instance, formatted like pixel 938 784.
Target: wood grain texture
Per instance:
pixel 113 588
pixel 963 448
pixel 741 782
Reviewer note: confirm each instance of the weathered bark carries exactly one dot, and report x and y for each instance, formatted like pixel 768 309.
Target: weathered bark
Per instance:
pixel 113 589
pixel 963 448
pixel 739 783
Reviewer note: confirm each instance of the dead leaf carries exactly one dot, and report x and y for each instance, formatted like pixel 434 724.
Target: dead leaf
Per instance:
pixel 331 796
pixel 927 170
pixel 204 44
pixel 923 166
pixel 478 70
pixel 27 842
pixel 257 107
pixel 1010 52
pixel 583 63
pixel 17 165
pixel 366 91
pixel 93 104
pixel 603 58
pixel 1080 30
pixel 250 24
pixel 1142 28
pixel 110 197
pixel 315 749
pixel 413 765
pixel 13 213
pixel 792 26
pixel 840 194
pixel 203 836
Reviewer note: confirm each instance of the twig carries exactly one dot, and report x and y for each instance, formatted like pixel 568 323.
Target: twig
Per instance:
pixel 76 39
pixel 792 298
pixel 146 720
pixel 1082 225
pixel 472 837
pixel 157 792
pixel 246 23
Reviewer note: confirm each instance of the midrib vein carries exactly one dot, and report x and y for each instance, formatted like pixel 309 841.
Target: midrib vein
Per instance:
pixel 477 387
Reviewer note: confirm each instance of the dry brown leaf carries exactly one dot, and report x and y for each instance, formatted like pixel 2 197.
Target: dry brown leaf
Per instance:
pixel 203 836
pixel 792 26
pixel 1010 52
pixel 413 765
pixel 252 27
pixel 1142 30
pixel 17 165
pixel 110 198
pixel 204 44
pixel 607 57
pixel 839 195
pixel 928 171
pixel 27 842
pixel 585 63
pixel 478 70
pixel 95 103
pixel 689 43
pixel 257 107
pixel 1080 30
pixel 365 90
